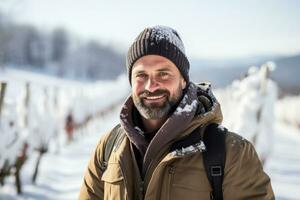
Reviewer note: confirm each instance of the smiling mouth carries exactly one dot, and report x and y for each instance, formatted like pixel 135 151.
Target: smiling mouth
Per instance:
pixel 155 97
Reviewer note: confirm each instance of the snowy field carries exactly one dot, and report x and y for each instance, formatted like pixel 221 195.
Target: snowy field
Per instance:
pixel 61 172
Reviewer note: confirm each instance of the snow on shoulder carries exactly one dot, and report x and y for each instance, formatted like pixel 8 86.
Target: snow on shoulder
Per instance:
pixel 198 147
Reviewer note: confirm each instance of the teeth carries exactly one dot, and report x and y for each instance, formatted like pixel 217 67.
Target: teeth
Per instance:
pixel 155 97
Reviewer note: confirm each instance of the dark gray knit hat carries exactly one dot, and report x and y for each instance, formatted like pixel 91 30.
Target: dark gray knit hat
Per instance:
pixel 159 40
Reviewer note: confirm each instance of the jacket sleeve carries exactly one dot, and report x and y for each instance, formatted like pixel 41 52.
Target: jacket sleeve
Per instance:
pixel 244 177
pixel 92 186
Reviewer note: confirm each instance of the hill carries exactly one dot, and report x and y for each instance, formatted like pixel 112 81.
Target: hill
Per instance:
pixel 223 73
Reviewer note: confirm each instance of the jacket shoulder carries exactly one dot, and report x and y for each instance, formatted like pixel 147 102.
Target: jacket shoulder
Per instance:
pixel 244 177
pixel 103 142
pixel 92 186
pixel 234 139
pixel 238 147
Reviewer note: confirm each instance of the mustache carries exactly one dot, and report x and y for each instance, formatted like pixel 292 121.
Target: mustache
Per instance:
pixel 158 92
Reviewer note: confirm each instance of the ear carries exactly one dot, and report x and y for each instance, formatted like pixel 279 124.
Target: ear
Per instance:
pixel 183 83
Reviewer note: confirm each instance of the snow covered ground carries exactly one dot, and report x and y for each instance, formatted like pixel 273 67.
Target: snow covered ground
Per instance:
pixel 61 174
pixel 284 163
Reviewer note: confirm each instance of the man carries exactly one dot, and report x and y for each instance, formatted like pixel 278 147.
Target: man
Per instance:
pixel 164 108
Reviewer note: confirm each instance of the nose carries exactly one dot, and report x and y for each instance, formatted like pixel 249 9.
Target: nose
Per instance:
pixel 151 85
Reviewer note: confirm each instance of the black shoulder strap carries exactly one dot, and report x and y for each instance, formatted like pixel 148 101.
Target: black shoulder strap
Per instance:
pixel 214 158
pixel 113 138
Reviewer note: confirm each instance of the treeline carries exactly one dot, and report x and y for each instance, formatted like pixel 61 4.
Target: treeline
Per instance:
pixel 57 52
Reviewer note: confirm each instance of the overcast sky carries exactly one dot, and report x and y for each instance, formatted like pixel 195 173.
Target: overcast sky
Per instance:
pixel 209 29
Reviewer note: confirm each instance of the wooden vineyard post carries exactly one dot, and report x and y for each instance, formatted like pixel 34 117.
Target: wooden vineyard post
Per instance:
pixel 2 93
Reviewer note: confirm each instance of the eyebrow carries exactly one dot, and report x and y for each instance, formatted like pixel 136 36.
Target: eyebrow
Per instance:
pixel 164 69
pixel 138 72
pixel 159 70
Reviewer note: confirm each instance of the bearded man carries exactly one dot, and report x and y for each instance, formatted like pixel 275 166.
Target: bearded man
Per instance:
pixel 165 108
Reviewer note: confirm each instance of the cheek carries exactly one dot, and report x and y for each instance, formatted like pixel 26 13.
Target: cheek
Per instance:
pixel 137 88
pixel 177 91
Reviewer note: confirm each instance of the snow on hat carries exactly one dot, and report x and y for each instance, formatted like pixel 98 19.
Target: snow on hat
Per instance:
pixel 159 40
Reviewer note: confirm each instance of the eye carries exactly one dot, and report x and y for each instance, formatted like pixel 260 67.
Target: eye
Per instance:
pixel 163 75
pixel 141 76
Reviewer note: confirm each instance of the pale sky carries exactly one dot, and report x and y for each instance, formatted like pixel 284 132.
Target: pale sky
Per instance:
pixel 209 29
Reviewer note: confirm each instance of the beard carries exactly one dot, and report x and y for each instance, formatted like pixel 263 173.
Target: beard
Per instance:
pixel 157 110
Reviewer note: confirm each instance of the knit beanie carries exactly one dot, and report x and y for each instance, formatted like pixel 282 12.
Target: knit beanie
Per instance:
pixel 159 40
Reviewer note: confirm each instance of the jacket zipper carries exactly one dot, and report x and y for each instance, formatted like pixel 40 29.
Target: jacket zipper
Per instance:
pixel 146 181
pixel 170 180
pixel 141 190
pixel 140 183
pixel 146 174
pixel 124 177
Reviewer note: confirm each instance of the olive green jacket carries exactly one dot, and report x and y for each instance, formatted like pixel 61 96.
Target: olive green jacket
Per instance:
pixel 175 177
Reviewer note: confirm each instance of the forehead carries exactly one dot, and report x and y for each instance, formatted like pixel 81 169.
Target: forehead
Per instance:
pixel 154 63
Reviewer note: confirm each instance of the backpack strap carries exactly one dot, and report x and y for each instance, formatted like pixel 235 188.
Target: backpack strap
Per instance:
pixel 114 139
pixel 214 158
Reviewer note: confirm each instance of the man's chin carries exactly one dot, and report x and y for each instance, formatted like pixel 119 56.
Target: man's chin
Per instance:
pixel 155 102
pixel 155 106
pixel 154 113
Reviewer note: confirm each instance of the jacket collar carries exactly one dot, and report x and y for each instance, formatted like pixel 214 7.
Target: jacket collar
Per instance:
pixel 188 115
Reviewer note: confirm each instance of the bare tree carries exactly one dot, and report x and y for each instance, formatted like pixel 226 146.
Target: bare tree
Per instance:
pixel 60 45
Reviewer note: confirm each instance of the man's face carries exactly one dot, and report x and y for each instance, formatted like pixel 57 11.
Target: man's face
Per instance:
pixel 156 86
